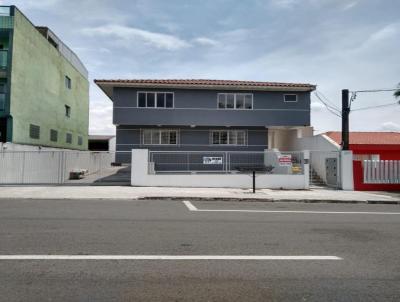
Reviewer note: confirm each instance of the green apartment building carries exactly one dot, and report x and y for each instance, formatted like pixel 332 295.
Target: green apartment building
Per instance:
pixel 44 87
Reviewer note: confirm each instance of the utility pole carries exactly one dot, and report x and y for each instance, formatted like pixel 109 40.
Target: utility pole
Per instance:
pixel 345 119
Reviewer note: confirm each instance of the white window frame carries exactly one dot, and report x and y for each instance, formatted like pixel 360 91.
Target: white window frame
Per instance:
pixel 245 143
pixel 234 100
pixel 160 131
pixel 284 98
pixel 155 99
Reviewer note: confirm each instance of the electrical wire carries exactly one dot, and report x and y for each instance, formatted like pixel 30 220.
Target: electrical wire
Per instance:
pixel 377 106
pixel 329 108
pixel 328 101
pixel 377 90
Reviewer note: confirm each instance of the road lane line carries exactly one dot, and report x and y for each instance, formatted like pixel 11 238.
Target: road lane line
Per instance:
pixel 189 205
pixel 301 212
pixel 164 257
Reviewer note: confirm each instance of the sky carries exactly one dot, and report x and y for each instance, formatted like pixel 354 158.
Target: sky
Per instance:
pixel 335 44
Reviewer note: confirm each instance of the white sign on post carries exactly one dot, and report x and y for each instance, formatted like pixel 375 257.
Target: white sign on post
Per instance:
pixel 212 160
pixel 285 160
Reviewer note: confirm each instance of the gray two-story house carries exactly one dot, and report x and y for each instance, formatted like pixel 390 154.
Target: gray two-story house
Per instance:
pixel 205 115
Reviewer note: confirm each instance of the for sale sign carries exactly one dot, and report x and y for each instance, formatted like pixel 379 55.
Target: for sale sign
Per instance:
pixel 207 160
pixel 285 160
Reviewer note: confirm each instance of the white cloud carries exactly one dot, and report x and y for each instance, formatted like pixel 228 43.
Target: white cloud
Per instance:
pixel 130 35
pixel 101 119
pixel 390 126
pixel 350 5
pixel 315 106
pixel 206 41
pixel 284 3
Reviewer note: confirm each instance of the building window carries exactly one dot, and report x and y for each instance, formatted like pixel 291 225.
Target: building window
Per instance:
pixel 290 98
pixel 34 131
pixel 155 99
pixel 235 101
pixel 68 138
pixel 228 137
pixel 53 135
pixel 67 111
pixel 68 83
pixel 159 137
pixel 2 96
pixel 80 140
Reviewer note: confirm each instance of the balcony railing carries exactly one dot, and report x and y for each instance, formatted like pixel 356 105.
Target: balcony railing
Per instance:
pixel 3 59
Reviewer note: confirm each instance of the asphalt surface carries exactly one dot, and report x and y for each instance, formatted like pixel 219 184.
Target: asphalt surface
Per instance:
pixel 368 244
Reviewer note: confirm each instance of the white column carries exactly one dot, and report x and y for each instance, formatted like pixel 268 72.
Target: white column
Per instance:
pixel 346 170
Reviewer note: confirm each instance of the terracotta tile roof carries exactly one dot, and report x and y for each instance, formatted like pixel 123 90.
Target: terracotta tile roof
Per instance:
pixel 205 82
pixel 367 138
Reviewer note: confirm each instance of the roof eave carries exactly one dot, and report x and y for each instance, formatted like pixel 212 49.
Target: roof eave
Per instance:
pixel 107 87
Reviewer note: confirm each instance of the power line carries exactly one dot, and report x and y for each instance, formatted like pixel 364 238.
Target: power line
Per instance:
pixel 377 106
pixel 377 90
pixel 327 100
pixel 329 108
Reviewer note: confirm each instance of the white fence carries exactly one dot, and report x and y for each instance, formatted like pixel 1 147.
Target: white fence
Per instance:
pixel 49 167
pixel 381 171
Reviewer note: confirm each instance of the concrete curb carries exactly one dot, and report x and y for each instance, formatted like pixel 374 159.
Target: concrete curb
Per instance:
pixel 231 199
pixel 240 199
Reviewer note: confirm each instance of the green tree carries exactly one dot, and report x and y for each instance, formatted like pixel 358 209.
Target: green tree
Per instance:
pixel 397 92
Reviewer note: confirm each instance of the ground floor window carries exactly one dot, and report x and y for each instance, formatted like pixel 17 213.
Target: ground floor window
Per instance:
pixel 159 137
pixel 228 137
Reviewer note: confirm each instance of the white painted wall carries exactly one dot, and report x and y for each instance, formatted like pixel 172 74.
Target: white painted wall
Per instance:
pixel 347 180
pixel 141 177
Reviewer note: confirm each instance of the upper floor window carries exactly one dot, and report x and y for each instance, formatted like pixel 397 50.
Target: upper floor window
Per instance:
pixel 68 82
pixel 235 101
pixel 53 135
pixel 290 98
pixel 159 137
pixel 67 111
pixel 228 137
pixel 80 140
pixel 155 99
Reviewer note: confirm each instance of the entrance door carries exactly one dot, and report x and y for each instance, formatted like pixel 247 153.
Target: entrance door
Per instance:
pixel 3 130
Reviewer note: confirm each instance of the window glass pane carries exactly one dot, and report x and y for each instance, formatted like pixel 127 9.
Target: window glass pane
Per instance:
pixel 232 137
pixel 221 100
pixel 150 99
pixel 169 100
pixel 240 135
pixel 161 100
pixel 172 137
pixel 223 137
pixel 155 137
pixel 239 101
pixel 147 137
pixel 165 137
pixel 142 99
pixel 215 138
pixel 290 98
pixel 248 98
pixel 230 100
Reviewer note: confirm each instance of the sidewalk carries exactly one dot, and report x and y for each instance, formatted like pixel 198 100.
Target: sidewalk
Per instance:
pixel 134 193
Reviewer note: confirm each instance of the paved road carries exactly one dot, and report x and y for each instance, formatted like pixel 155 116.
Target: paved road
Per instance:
pixel 368 244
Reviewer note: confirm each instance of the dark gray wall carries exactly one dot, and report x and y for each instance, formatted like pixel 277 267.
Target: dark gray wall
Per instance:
pixel 190 139
pixel 199 107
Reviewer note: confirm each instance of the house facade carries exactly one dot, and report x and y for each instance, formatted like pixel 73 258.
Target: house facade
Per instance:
pixel 44 88
pixel 204 115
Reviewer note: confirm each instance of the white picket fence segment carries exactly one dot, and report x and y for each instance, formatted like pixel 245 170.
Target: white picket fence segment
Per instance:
pixel 381 171
pixel 48 167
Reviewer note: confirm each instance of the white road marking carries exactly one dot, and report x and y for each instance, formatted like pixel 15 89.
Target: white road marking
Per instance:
pixel 164 257
pixel 191 207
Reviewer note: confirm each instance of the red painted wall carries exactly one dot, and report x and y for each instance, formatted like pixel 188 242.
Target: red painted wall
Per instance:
pixel 386 152
pixel 359 185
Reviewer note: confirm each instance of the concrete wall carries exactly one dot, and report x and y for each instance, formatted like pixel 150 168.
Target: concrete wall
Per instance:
pixel 140 177
pixel 39 94
pixel 199 107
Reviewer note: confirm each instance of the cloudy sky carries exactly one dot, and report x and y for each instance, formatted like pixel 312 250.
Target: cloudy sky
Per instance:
pixel 335 44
